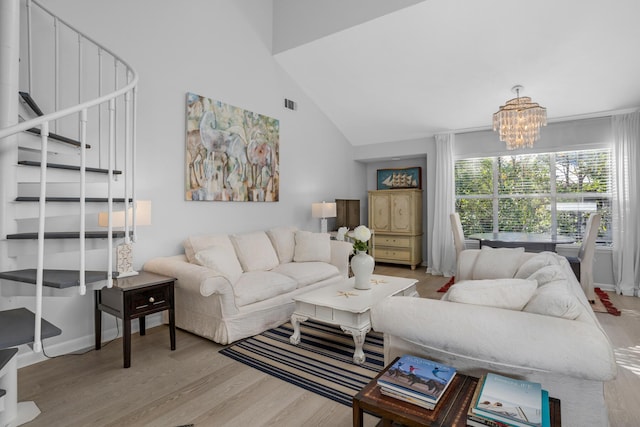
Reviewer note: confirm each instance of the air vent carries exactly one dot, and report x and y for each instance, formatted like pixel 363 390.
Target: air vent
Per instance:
pixel 289 104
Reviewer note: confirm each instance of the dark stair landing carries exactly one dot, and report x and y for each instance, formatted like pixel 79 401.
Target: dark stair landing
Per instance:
pixel 71 199
pixel 66 235
pixel 16 328
pixel 59 279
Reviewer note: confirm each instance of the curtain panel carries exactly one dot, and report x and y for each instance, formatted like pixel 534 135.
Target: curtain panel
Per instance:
pixel 626 227
pixel 443 250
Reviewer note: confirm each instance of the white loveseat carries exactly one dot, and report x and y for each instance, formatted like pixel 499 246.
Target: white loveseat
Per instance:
pixel 545 332
pixel 234 286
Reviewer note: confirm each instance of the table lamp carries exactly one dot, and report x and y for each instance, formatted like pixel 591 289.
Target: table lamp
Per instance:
pixel 124 251
pixel 323 210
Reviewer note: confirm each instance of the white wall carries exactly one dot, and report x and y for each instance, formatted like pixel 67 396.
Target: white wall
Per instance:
pixel 220 49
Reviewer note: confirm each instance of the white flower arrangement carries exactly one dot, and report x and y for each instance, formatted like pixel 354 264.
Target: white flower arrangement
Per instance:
pixel 361 235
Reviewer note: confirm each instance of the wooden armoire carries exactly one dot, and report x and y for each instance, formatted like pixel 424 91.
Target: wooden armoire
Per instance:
pixel 395 218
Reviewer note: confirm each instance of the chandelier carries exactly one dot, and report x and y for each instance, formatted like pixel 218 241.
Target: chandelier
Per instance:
pixel 519 121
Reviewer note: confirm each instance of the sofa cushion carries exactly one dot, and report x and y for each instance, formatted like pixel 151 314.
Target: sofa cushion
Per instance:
pixel 554 299
pixel 255 286
pixel 535 263
pixel 195 244
pixel 548 274
pixel 497 263
pixel 512 294
pixel 221 260
pixel 306 273
pixel 312 247
pixel 283 240
pixel 255 251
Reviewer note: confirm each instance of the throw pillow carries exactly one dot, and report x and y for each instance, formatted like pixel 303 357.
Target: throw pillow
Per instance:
pixel 512 294
pixel 548 274
pixel 255 251
pixel 283 240
pixel 195 244
pixel 554 299
pixel 535 263
pixel 312 247
pixel 222 261
pixel 497 263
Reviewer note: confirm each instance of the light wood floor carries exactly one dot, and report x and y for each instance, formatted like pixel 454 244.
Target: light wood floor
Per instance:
pixel 195 385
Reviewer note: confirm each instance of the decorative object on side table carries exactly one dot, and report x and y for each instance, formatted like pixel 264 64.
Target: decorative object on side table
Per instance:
pixel 139 213
pixel 362 264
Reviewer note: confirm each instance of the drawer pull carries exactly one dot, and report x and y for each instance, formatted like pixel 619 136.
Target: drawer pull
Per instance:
pixel 152 300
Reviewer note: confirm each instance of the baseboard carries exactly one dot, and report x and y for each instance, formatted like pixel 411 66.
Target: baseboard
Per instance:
pixel 27 357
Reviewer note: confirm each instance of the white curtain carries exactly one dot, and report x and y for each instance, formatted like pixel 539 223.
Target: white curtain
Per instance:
pixel 443 252
pixel 626 227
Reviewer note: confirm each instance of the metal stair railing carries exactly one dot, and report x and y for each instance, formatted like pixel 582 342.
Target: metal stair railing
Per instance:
pixel 127 93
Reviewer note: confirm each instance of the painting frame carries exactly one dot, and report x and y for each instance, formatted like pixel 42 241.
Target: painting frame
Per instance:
pixel 231 154
pixel 399 178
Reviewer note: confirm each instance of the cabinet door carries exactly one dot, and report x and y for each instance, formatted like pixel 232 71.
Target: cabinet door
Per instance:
pixel 379 210
pixel 402 213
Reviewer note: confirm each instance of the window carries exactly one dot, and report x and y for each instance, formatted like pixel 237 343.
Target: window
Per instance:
pixel 545 193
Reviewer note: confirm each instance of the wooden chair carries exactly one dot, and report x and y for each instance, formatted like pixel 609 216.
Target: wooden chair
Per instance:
pixel 582 265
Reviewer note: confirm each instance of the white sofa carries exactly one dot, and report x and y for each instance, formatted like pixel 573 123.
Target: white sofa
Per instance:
pixel 555 338
pixel 234 286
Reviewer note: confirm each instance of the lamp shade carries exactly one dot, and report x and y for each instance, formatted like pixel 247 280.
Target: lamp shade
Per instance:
pixel 323 210
pixel 143 215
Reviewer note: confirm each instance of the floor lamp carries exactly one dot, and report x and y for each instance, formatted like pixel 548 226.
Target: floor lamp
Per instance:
pixel 323 211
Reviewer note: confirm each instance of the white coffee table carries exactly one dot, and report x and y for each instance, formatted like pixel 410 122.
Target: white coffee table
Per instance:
pixel 343 305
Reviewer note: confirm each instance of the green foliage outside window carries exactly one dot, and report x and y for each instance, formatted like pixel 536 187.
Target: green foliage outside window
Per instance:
pixel 545 193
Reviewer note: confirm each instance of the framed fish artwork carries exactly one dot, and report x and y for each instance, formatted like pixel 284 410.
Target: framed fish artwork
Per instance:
pixel 389 179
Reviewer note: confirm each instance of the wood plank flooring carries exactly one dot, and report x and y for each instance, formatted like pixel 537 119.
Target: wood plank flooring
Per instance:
pixel 196 385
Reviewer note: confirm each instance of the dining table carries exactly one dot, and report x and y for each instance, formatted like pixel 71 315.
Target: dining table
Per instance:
pixel 531 242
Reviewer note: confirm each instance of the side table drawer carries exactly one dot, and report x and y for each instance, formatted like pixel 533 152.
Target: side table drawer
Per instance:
pixel 144 300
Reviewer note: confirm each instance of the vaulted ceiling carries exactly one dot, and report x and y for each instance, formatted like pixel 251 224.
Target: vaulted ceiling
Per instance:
pixel 447 65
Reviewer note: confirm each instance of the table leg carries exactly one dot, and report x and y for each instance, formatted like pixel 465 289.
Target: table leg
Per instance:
pixel 357 414
pixel 97 319
pixel 172 328
pixel 295 322
pixel 358 339
pixel 126 342
pixel 142 323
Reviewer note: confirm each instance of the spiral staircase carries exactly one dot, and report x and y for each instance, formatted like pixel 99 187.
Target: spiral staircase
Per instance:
pixel 67 152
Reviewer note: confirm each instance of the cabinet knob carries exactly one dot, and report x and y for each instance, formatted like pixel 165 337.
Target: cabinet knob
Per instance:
pixel 151 300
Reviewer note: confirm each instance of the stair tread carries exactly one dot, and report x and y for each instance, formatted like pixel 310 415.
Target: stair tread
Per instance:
pixel 5 357
pixel 60 279
pixel 16 328
pixel 31 102
pixel 68 167
pixel 71 199
pixel 60 138
pixel 65 235
pixel 2 392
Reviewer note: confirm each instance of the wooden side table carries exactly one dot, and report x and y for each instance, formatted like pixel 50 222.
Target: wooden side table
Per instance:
pixel 135 297
pixel 451 411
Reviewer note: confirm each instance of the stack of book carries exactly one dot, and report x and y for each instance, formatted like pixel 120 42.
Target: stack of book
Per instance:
pixel 501 401
pixel 416 380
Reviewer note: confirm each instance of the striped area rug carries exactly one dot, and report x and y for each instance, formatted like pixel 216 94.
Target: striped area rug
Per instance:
pixel 321 363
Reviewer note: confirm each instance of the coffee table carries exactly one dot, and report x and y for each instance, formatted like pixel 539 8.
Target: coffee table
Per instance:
pixel 343 305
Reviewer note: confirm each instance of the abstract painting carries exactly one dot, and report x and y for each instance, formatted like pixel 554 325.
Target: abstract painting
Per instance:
pixel 231 154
